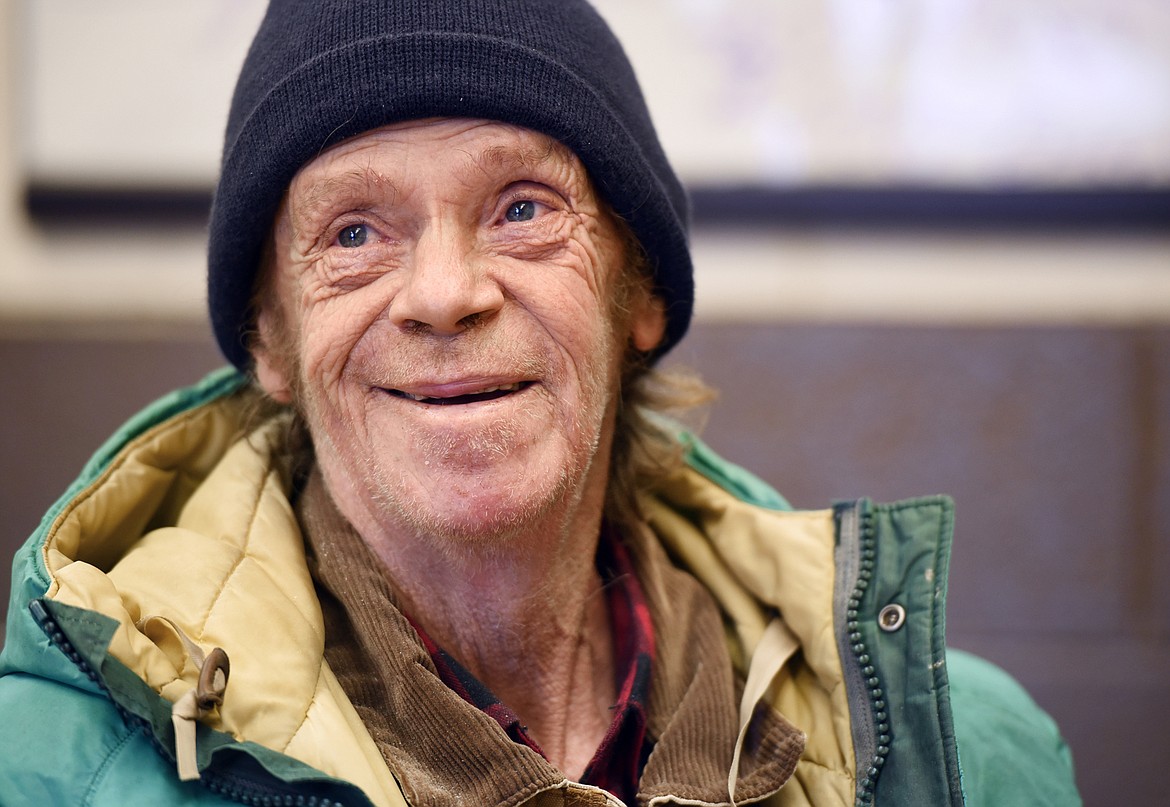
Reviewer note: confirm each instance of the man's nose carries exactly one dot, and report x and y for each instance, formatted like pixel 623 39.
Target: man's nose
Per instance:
pixel 447 289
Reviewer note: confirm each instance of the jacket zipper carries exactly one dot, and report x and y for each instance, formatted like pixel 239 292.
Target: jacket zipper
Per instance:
pixel 243 791
pixel 233 787
pixel 855 558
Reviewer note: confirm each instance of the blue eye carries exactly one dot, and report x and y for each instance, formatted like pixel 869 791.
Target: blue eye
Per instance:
pixel 524 210
pixel 353 236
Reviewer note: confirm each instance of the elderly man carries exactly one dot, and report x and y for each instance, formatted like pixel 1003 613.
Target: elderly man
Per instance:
pixel 429 544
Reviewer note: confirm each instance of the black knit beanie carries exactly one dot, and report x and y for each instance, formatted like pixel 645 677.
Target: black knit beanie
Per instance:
pixel 322 71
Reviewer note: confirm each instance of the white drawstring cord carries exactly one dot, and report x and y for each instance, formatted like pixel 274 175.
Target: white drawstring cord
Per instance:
pixel 776 646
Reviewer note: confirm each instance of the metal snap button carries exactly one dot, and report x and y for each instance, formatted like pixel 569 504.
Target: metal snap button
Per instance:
pixel 891 617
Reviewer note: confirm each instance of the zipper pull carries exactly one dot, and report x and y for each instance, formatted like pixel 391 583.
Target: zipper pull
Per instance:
pixel 214 670
pixel 196 704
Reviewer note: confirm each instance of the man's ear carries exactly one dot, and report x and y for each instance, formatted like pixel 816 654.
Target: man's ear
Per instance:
pixel 271 368
pixel 647 322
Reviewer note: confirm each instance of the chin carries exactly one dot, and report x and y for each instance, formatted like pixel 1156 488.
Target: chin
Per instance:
pixel 481 523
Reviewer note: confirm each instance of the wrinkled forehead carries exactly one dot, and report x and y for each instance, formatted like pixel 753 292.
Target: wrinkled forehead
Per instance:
pixel 467 146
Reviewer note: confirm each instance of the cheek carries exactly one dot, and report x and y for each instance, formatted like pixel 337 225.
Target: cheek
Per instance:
pixel 569 295
pixel 575 328
pixel 333 328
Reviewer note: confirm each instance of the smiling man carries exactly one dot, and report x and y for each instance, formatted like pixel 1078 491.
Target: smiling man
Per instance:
pixel 431 540
pixel 441 296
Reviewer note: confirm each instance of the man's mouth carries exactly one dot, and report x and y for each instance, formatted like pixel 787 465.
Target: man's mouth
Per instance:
pixel 486 394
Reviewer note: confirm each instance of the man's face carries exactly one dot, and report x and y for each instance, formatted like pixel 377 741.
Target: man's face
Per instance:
pixel 445 291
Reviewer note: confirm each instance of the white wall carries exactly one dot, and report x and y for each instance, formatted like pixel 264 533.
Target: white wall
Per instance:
pixel 57 274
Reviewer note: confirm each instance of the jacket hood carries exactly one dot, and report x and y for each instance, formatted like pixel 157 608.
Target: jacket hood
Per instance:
pixel 149 530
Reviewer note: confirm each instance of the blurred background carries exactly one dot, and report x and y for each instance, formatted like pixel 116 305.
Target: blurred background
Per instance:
pixel 933 256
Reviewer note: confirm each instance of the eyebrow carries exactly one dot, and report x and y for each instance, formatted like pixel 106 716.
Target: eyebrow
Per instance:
pixel 509 157
pixel 325 193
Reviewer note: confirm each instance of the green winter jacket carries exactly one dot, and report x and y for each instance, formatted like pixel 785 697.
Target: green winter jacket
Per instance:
pixel 179 537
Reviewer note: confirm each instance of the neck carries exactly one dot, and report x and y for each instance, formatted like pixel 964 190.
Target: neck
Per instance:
pixel 528 619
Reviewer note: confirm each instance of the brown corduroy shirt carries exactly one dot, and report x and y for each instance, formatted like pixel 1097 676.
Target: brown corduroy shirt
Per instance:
pixel 444 751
